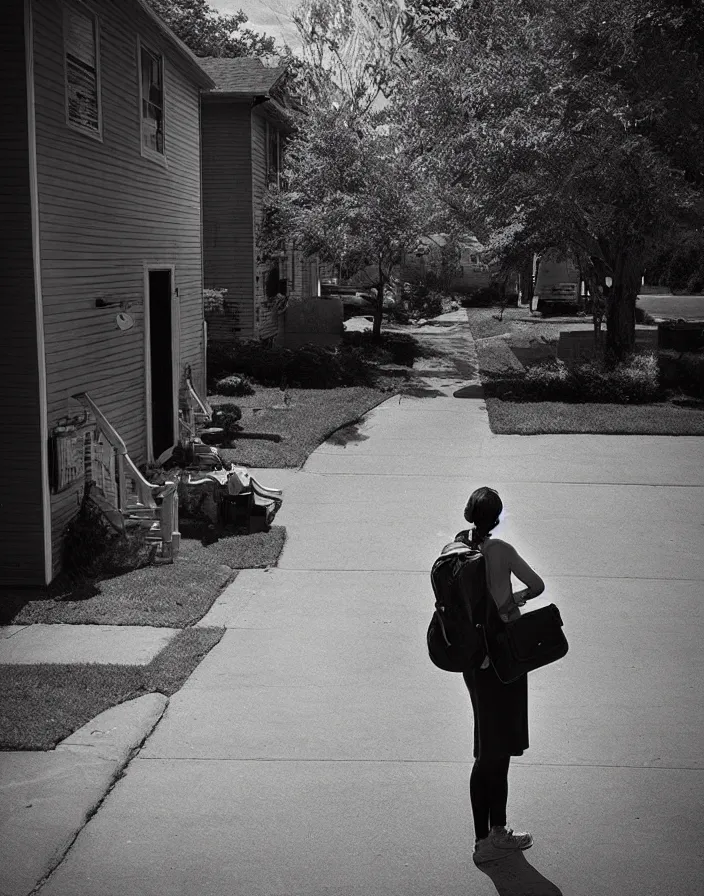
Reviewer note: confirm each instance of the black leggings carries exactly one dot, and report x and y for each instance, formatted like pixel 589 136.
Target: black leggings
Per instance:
pixel 488 791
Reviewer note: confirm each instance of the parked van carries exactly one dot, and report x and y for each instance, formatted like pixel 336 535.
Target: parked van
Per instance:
pixel 557 281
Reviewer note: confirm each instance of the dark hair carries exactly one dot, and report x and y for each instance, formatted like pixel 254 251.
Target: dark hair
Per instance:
pixel 483 510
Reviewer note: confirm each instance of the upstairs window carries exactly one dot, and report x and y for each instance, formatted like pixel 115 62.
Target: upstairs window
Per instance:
pixel 152 95
pixel 273 156
pixel 82 67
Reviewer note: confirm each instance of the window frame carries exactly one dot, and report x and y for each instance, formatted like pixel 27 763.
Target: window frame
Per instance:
pixel 273 136
pixel 146 151
pixel 82 9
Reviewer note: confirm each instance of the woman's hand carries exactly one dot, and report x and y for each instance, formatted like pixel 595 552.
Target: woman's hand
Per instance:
pixel 520 597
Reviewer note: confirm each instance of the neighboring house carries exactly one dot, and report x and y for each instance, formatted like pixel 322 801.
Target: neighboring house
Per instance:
pixel 244 128
pixel 101 249
pixel 471 275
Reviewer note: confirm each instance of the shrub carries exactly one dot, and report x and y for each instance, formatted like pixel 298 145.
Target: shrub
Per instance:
pixel 553 380
pixel 213 300
pixel 227 416
pixel 422 301
pixel 682 371
pixel 353 363
pixel 394 348
pixel 92 548
pixel 234 385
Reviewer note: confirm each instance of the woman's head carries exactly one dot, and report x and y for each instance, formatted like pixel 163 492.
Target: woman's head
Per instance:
pixel 483 510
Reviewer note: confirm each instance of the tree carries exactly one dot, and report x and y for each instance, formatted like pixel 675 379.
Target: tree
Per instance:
pixel 209 33
pixel 541 123
pixel 350 197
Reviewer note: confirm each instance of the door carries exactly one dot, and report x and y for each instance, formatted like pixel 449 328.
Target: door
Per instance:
pixel 161 362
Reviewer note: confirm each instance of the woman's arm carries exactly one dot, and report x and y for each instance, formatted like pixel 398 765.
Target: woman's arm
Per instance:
pixel 530 578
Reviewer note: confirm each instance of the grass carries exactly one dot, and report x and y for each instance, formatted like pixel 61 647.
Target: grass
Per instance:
pixel 303 420
pixel 172 595
pixel 520 340
pixel 43 704
pixel 535 418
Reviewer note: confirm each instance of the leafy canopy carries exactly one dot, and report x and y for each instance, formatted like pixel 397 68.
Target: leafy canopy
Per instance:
pixel 575 123
pixel 209 33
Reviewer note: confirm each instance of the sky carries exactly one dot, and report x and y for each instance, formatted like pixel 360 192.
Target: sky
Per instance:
pixel 270 16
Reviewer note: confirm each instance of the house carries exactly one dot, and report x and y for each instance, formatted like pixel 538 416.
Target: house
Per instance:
pixel 471 272
pixel 244 127
pixel 101 253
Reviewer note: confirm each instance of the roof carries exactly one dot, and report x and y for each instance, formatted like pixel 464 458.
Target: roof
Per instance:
pixel 244 76
pixel 188 56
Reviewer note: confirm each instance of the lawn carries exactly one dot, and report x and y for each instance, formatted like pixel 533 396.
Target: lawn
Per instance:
pixel 534 418
pixel 520 340
pixel 303 418
pixel 174 595
pixel 43 704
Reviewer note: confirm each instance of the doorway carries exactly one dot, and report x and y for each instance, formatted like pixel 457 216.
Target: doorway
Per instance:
pixel 160 384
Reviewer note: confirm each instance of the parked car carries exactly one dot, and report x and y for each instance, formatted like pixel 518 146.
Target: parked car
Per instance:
pixel 355 301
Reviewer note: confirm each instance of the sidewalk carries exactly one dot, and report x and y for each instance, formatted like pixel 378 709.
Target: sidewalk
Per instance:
pixel 317 751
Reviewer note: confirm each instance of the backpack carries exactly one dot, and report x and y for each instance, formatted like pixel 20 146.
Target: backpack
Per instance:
pixel 455 639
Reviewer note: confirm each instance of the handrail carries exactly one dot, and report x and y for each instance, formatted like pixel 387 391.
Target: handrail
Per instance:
pixel 112 435
pixel 202 403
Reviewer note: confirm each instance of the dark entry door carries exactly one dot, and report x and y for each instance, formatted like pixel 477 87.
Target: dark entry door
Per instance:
pixel 161 364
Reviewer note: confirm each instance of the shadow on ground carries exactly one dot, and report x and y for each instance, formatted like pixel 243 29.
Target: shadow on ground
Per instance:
pixel 515 876
pixel 347 434
pixel 474 391
pixel 422 391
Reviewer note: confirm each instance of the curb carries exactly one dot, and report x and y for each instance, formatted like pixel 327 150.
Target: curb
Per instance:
pixel 47 798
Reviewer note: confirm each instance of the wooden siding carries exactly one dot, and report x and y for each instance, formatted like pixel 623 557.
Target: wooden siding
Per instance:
pixel 106 212
pixel 21 510
pixel 228 236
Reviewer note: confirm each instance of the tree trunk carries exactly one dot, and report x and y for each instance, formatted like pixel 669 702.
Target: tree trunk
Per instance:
pixel 378 308
pixel 621 308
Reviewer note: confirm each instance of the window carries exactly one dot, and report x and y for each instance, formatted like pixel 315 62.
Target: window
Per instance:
pixel 152 93
pixel 82 65
pixel 273 156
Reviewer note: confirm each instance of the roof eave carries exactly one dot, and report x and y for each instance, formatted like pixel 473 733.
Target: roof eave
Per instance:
pixel 200 76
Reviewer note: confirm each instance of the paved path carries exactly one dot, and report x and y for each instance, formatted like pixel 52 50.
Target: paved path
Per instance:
pixel 317 752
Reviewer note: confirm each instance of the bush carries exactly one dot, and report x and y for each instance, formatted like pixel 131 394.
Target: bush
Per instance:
pixel 394 348
pixel 227 416
pixel 93 549
pixel 213 300
pixel 422 301
pixel 636 382
pixel 352 363
pixel 682 371
pixel 234 385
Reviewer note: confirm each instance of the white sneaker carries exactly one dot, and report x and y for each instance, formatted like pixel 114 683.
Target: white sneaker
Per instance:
pixel 504 838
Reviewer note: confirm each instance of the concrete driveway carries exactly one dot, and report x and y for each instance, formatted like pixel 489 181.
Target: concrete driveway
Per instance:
pixel 317 751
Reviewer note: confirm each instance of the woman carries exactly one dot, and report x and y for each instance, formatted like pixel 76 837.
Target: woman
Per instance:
pixel 500 710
